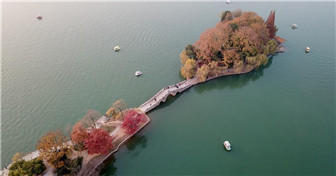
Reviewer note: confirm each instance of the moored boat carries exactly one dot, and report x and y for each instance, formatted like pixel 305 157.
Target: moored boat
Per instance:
pixel 39 17
pixel 307 49
pixel 116 48
pixel 138 73
pixel 227 145
pixel 294 26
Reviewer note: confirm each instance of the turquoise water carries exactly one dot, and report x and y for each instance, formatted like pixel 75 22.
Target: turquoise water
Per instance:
pixel 279 119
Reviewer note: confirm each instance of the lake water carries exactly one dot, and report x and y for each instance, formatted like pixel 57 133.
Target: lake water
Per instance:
pixel 279 119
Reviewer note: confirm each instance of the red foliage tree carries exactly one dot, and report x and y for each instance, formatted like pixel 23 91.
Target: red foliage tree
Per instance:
pixel 99 141
pixel 270 24
pixel 132 120
pixel 79 133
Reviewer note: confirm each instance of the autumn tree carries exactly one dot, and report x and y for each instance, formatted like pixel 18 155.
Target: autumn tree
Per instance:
pixel 270 47
pixel 90 118
pixel 214 69
pixel 78 135
pixel 237 13
pixel 202 73
pixel 189 69
pixel 17 156
pixel 187 53
pixel 226 16
pixel 184 57
pixel 132 121
pixel 262 59
pixel 210 44
pixel 99 142
pixel 256 61
pixel 117 108
pixel 239 39
pixel 238 66
pixel 270 24
pixel 53 146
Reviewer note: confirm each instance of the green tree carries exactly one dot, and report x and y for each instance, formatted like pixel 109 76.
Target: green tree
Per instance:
pixel 234 26
pixel 226 16
pixel 190 52
pixel 32 167
pixel 69 166
pixel 189 69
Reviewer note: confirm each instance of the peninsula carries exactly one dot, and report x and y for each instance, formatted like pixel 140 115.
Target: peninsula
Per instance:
pixel 240 43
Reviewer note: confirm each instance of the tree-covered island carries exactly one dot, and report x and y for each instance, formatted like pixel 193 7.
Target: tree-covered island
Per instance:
pixel 239 43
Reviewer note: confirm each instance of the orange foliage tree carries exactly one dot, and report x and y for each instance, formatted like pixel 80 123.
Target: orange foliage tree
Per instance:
pixel 79 134
pixel 52 147
pixel 236 37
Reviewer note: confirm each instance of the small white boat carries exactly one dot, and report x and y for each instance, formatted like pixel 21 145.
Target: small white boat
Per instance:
pixel 227 145
pixel 294 26
pixel 39 17
pixel 307 49
pixel 138 73
pixel 227 1
pixel 116 48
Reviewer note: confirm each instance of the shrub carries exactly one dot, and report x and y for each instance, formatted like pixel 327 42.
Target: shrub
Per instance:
pixel 32 167
pixel 69 167
pixel 190 52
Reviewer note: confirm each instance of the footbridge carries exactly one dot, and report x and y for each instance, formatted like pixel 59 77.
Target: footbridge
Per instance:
pixel 162 95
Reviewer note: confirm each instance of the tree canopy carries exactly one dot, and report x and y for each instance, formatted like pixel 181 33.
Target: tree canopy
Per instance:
pixel 240 38
pixel 53 146
pixel 90 118
pixel 99 141
pixel 188 70
pixel 117 108
pixel 132 121
pixel 79 134
pixel 32 167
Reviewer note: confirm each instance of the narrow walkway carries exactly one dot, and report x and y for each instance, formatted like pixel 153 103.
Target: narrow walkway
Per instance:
pixel 162 95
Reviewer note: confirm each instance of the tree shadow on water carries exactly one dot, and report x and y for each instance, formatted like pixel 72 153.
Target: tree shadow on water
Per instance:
pixel 135 141
pixel 170 100
pixel 233 81
pixel 108 168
